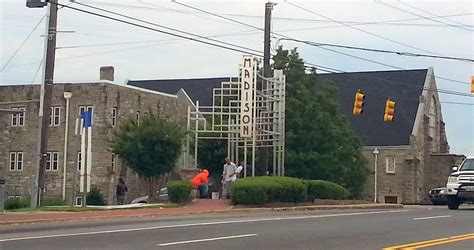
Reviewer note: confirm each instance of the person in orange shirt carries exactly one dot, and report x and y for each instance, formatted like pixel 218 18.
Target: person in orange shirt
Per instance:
pixel 201 182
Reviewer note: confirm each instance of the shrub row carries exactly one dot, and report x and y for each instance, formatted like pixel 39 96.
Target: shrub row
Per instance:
pixel 261 190
pixel 16 203
pixel 179 191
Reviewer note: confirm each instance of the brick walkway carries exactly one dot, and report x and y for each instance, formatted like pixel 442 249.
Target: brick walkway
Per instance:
pixel 197 206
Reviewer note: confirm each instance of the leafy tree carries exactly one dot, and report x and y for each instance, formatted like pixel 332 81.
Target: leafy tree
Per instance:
pixel 150 148
pixel 320 143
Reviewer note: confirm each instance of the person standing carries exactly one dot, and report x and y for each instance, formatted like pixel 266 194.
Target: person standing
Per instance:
pixel 229 175
pixel 120 191
pixel 201 182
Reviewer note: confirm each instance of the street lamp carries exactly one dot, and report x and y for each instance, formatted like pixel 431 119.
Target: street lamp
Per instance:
pixel 376 152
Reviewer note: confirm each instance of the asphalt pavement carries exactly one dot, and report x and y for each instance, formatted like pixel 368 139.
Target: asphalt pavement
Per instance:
pixel 343 229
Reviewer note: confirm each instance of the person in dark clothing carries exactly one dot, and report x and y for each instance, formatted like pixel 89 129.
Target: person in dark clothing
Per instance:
pixel 120 191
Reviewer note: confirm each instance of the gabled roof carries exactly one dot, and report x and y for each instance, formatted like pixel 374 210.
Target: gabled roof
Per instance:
pixel 403 86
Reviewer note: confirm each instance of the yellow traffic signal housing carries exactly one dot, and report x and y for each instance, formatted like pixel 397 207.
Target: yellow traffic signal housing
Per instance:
pixel 358 103
pixel 389 110
pixel 472 84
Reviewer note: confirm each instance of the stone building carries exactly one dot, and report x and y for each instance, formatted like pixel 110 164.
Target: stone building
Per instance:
pixel 412 151
pixel 111 103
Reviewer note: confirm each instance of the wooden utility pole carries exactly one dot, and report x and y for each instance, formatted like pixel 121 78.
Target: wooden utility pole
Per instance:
pixel 45 99
pixel 266 39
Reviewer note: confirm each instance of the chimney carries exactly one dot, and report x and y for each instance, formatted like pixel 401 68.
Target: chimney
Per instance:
pixel 107 73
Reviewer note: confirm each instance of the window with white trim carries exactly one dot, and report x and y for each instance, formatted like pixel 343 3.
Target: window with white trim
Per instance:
pixel 16 161
pixel 79 161
pixel 55 116
pixel 390 165
pixel 18 119
pixel 78 201
pixel 87 108
pixel 114 116
pixel 52 161
pixel 14 197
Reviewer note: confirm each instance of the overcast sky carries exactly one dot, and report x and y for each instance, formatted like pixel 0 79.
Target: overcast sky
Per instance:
pixel 146 54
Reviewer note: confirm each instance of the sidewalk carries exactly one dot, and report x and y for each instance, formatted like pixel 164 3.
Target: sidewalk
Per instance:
pixel 195 207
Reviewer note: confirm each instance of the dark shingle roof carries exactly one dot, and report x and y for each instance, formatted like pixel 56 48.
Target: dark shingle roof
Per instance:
pixel 403 86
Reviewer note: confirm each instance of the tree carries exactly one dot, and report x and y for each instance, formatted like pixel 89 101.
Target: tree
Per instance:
pixel 150 148
pixel 320 143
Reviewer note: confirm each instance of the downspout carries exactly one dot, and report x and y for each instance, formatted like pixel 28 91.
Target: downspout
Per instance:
pixel 67 96
pixel 376 152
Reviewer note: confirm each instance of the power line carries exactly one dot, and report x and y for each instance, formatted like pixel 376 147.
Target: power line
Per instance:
pixel 162 26
pixel 318 44
pixel 22 43
pixel 435 15
pixel 335 51
pixel 361 30
pixel 158 30
pixel 414 14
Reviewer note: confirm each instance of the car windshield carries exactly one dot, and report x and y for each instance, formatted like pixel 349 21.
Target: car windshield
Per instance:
pixel 468 165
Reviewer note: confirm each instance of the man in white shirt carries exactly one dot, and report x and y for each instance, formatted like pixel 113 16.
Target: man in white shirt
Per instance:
pixel 229 175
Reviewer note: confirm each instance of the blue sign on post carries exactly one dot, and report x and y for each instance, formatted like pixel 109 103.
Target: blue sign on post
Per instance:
pixel 87 119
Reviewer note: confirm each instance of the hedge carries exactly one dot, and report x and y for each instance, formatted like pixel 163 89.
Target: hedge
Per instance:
pixel 16 203
pixel 261 190
pixel 319 189
pixel 53 201
pixel 179 191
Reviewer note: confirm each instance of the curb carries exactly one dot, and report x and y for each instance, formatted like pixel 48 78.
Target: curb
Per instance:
pixel 228 210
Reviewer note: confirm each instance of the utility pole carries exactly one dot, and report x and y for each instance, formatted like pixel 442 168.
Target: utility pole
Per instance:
pixel 44 111
pixel 266 58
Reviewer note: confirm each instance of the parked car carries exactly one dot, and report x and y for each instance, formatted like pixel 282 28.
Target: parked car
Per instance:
pixel 438 196
pixel 460 187
pixel 163 195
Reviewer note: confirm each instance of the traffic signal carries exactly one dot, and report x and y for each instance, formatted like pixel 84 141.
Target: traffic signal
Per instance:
pixel 472 84
pixel 389 110
pixel 358 103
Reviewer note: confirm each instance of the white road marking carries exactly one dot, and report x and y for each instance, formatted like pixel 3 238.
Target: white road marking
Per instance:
pixel 204 240
pixel 202 224
pixel 433 217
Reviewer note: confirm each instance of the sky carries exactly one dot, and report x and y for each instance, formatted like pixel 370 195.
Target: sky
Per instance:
pixel 86 42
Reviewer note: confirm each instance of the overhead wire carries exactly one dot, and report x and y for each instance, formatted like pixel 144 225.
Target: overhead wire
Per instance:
pixel 285 36
pixel 435 15
pixel 22 43
pixel 415 14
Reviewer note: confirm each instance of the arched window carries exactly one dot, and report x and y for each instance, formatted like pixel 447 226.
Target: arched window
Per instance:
pixel 433 130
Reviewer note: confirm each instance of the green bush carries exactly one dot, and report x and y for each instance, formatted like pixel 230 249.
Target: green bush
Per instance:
pixel 95 197
pixel 53 201
pixel 179 191
pixel 261 190
pixel 16 203
pixel 319 189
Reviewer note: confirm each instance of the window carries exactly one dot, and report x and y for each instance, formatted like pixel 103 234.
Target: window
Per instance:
pixel 390 165
pixel 55 116
pixel 18 119
pixel 114 117
pixel 16 161
pixel 78 201
pixel 138 117
pixel 113 162
pixel 79 161
pixel 52 161
pixel 87 108
pixel 14 197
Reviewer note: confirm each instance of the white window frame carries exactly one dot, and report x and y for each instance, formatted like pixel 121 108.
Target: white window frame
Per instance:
pixel 14 197
pixel 87 108
pixel 55 113
pixel 18 119
pixel 52 161
pixel 388 168
pixel 78 201
pixel 114 116
pixel 79 161
pixel 17 164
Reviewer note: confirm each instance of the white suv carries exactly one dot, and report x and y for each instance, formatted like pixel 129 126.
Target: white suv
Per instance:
pixel 460 187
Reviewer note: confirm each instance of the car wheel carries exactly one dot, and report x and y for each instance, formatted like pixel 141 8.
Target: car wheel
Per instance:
pixel 453 202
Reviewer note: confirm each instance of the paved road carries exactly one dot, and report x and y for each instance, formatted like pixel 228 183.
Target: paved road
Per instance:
pixel 344 229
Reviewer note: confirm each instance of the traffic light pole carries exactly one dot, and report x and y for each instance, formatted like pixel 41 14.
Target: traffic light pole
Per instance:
pixel 45 100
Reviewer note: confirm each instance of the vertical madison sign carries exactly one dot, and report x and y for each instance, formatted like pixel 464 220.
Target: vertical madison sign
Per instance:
pixel 246 96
